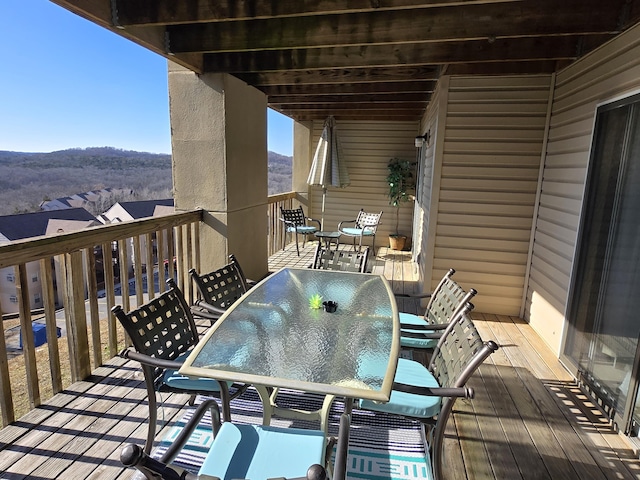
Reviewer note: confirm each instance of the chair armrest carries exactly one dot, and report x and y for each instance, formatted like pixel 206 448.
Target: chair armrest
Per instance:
pixel 423 335
pixel 346 221
pixel 427 327
pixel 412 295
pixel 459 392
pixel 309 219
pixel 209 308
pixel 148 360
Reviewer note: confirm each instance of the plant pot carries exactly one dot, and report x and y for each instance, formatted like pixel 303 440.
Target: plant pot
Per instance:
pixel 396 242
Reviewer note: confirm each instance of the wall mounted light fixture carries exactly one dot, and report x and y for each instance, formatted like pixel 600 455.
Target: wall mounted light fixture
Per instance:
pixel 423 139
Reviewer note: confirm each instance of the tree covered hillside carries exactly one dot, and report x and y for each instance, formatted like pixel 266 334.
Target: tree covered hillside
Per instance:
pixel 27 179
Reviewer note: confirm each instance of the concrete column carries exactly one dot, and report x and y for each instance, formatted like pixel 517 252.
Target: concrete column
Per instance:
pixel 302 157
pixel 219 157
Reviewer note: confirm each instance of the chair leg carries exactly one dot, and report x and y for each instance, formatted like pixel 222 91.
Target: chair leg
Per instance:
pixel 297 248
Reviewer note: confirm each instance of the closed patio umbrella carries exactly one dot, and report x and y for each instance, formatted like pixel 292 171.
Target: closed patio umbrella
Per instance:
pixel 328 168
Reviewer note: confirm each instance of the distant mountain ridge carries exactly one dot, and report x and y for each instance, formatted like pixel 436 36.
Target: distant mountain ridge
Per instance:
pixel 27 179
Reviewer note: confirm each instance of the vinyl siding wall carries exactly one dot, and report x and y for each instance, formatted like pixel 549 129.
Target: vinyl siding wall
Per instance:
pixel 487 163
pixel 367 147
pixel 608 74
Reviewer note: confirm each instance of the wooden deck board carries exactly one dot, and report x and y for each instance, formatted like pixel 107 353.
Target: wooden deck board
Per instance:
pixel 528 420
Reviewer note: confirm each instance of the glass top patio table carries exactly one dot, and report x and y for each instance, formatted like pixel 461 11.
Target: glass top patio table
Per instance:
pixel 272 337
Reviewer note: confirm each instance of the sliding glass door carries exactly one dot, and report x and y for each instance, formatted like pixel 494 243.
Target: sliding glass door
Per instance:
pixel 603 314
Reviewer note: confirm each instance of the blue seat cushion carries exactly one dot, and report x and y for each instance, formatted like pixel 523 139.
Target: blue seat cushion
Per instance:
pixel 412 405
pixel 356 232
pixel 172 379
pixel 415 342
pixel 259 452
pixel 303 230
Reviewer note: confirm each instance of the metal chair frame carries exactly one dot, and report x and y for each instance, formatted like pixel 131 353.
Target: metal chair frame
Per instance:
pixel 327 259
pixel 366 223
pixel 294 220
pixel 218 290
pixel 161 331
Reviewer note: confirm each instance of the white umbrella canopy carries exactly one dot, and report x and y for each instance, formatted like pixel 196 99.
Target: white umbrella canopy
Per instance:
pixel 327 169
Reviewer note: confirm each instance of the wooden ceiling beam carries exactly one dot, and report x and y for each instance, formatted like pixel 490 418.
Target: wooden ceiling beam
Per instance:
pixel 349 89
pixel 168 12
pixel 384 115
pixel 341 77
pixel 496 21
pixel 517 49
pixel 351 106
pixel 372 99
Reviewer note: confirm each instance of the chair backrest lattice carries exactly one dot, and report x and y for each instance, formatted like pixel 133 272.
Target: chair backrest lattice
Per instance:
pixel 447 299
pixel 222 287
pixel 161 328
pixel 327 259
pixel 295 217
pixel 368 221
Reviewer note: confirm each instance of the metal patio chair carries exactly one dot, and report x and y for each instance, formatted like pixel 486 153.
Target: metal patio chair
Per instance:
pixel 428 394
pixel 327 259
pixel 250 451
pixel 446 300
pixel 364 225
pixel 297 223
pixel 163 332
pixel 218 290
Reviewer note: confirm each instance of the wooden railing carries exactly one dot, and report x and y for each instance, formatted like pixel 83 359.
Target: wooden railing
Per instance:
pixel 82 275
pixel 276 231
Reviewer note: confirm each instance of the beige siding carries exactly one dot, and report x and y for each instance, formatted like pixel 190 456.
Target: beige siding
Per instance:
pixel 488 181
pixel 367 147
pixel 609 73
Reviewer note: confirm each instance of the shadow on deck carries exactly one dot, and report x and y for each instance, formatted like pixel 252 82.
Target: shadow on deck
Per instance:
pixel 528 419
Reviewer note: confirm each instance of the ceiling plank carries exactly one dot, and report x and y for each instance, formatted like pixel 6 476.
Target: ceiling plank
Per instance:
pixel 524 19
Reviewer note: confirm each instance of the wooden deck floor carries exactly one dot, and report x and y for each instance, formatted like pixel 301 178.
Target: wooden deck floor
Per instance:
pixel 528 420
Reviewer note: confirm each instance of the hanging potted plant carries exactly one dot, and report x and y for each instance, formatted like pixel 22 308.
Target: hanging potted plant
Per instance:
pixel 400 181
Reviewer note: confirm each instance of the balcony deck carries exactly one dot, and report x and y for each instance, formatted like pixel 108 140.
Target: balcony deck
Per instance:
pixel 528 419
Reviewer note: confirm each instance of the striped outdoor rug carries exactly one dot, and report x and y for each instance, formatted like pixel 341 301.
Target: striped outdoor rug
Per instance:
pixel 380 446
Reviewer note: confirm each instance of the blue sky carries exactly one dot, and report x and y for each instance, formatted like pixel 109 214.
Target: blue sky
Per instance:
pixel 68 83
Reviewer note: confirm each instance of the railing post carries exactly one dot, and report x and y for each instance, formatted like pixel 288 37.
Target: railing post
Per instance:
pixel 76 316
pixel 94 312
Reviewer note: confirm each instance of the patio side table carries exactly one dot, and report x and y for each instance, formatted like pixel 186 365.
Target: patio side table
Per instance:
pixel 329 238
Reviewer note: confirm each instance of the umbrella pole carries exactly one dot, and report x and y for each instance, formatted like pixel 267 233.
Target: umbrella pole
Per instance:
pixel 324 196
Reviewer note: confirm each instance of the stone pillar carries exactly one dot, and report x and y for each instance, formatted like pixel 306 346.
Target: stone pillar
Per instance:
pixel 219 161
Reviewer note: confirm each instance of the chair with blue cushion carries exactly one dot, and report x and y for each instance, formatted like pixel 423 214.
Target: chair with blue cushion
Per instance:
pixel 428 394
pixel 163 332
pixel 218 290
pixel 364 225
pixel 296 222
pixel 446 300
pixel 253 452
pixel 327 259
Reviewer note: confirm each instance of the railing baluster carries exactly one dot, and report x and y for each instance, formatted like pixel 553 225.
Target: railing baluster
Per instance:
pixel 49 302
pixel 137 270
pixel 94 314
pixel 109 283
pixel 149 266
pixel 6 397
pixel 26 332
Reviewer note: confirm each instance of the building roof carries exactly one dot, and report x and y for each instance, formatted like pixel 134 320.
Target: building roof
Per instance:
pixel 81 199
pixel 27 225
pixel 147 208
